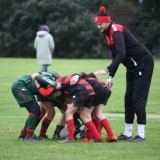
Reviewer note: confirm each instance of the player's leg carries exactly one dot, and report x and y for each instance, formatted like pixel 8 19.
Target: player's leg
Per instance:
pixel 42 114
pixel 105 123
pixel 85 115
pixel 60 125
pixel 71 109
pixel 34 111
pixel 48 106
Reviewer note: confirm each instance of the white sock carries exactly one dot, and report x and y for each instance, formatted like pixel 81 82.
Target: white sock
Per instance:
pixel 128 130
pixel 141 130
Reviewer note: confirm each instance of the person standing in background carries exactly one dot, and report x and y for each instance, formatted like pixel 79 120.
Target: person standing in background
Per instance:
pixel 44 45
pixel 139 63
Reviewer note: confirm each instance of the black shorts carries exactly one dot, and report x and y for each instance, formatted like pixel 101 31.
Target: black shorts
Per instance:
pixel 102 95
pixel 82 100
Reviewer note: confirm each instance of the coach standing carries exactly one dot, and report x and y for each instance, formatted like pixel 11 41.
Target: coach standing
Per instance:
pixel 139 63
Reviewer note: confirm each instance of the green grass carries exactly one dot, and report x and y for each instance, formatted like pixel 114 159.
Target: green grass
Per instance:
pixel 12 117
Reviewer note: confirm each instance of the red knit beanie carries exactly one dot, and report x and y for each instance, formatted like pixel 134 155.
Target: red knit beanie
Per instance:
pixel 102 16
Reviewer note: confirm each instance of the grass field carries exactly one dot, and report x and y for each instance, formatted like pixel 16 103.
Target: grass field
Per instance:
pixel 12 117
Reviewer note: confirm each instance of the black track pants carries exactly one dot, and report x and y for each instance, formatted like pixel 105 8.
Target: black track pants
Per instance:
pixel 137 89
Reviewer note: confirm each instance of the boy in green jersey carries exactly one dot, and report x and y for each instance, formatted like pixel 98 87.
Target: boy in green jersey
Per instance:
pixel 24 89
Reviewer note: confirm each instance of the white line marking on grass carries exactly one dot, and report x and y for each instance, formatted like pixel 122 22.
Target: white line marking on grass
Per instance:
pixel 117 115
pixel 153 103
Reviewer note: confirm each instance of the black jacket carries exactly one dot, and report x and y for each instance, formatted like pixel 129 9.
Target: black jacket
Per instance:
pixel 125 48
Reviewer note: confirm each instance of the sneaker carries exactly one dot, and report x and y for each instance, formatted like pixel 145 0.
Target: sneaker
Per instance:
pixel 30 139
pixel 87 140
pixel 97 141
pixel 124 137
pixel 112 139
pixel 56 136
pixel 34 136
pixel 91 140
pixel 20 138
pixel 79 135
pixel 42 137
pixel 67 141
pixel 137 139
pixel 82 134
pixel 76 132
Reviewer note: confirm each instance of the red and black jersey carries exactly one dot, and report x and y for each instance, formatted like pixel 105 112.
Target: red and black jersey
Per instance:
pixel 125 48
pixel 102 92
pixel 95 82
pixel 92 79
pixel 80 88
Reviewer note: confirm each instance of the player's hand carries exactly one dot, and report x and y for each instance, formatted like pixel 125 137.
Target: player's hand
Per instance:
pixel 74 80
pixel 100 72
pixel 58 86
pixel 109 82
pixel 37 84
pixel 34 75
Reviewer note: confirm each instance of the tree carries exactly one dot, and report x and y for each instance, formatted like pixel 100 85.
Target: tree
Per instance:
pixel 71 23
pixel 148 25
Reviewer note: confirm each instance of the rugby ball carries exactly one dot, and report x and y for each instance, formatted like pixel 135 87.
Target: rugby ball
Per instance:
pixel 64 133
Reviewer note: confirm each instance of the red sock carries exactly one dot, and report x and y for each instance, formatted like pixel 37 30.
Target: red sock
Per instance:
pixel 90 125
pixel 106 125
pixel 70 128
pixel 23 133
pixel 97 124
pixel 89 134
pixel 32 118
pixel 45 124
pixel 29 132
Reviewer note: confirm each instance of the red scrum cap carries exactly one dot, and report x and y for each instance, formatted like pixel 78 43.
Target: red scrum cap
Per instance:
pixel 102 16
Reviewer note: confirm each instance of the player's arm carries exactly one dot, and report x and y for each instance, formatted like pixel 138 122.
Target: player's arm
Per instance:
pixel 75 78
pixel 45 80
pixel 92 75
pixel 46 91
pixel 85 75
